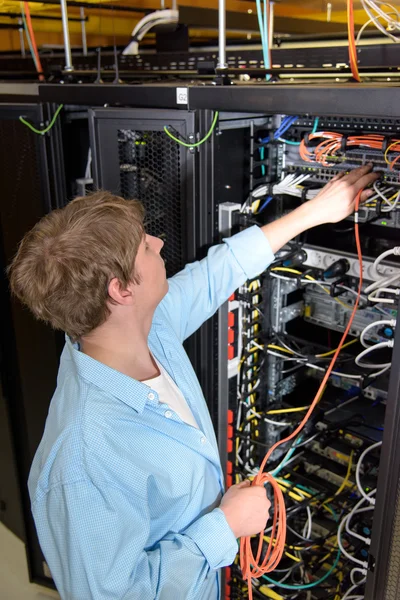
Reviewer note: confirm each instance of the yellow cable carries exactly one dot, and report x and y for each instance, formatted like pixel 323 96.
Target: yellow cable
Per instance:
pixel 287 270
pixel 268 593
pixel 374 201
pixel 283 411
pixel 281 349
pixel 345 481
pixel 255 284
pixel 333 351
pixel 297 494
pixel 274 347
pixel 289 486
pixel 328 508
pixel 296 272
pixel 294 558
pixel 327 291
pixel 388 150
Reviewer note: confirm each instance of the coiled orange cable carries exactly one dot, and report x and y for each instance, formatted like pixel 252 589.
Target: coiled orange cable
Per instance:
pixel 249 563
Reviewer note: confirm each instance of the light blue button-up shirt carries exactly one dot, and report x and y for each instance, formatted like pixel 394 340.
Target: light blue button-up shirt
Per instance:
pixel 125 494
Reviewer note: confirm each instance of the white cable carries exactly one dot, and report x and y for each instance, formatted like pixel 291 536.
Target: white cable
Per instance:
pixel 344 551
pixel 376 196
pixel 312 366
pixel 394 204
pixel 376 297
pixel 88 170
pixel 380 282
pixel 257 345
pixel 363 564
pixel 338 373
pixel 153 16
pixel 322 283
pixel 270 421
pixel 381 195
pixel 383 281
pixel 379 276
pixel 363 572
pixel 353 533
pixel 358 361
pixel 282 343
pixel 158 17
pixel 390 322
pixel 308 525
pixel 383 14
pixel 367 5
pixel 348 594
pixel 290 184
pixel 366 25
pixel 365 496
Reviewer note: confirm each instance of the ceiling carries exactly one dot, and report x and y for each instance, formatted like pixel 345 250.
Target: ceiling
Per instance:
pixel 103 27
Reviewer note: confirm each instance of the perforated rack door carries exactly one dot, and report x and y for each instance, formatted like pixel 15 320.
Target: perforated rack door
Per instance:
pixel 135 158
pixel 29 349
pixel 383 581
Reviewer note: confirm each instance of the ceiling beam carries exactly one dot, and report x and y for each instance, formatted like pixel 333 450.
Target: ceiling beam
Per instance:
pixel 97 5
pixel 12 15
pixel 207 18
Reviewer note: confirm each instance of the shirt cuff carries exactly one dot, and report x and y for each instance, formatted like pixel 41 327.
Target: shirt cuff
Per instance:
pixel 215 539
pixel 252 250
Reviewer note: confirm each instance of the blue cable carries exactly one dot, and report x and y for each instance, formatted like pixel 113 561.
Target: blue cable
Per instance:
pixel 268 200
pixel 284 126
pixel 288 456
pixel 266 38
pixel 261 26
pixel 307 586
pixel 314 129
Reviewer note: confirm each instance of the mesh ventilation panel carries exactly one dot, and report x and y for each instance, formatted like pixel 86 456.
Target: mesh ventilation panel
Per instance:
pixel 150 171
pixel 392 590
pixel 20 172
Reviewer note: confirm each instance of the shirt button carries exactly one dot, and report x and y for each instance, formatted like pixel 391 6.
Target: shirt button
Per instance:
pixel 168 414
pixel 203 440
pixel 151 396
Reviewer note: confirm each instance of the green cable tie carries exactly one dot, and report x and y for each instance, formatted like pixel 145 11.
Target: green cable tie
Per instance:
pixel 195 144
pixel 49 126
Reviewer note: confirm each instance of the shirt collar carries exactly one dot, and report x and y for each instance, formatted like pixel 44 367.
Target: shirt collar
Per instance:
pixel 130 391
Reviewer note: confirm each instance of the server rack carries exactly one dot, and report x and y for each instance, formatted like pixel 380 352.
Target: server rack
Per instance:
pixel 383 575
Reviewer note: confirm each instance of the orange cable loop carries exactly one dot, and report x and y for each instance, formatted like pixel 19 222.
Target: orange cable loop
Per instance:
pixel 32 36
pixel 249 563
pixel 331 145
pixel 352 42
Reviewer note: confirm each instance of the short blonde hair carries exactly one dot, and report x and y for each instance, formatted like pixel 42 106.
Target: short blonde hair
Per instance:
pixel 64 264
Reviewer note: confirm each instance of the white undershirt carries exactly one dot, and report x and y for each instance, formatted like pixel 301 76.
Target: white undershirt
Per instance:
pixel 169 393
